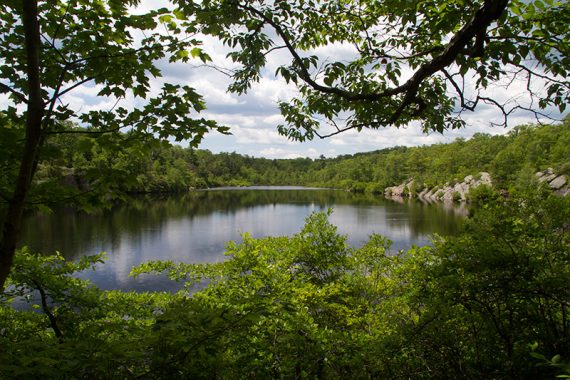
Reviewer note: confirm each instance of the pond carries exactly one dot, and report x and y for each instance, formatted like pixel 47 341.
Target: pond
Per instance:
pixel 195 227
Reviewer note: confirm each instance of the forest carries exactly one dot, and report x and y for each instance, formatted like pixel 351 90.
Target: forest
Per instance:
pixel 489 303
pixel 511 159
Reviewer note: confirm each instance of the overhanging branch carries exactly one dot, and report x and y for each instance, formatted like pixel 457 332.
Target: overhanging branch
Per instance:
pixel 489 12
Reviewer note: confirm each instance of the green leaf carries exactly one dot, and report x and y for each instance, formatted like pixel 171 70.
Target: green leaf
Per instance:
pixel 196 52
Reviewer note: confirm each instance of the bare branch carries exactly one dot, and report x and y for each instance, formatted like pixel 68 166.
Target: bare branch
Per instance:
pixel 55 96
pixel 52 45
pixel 231 73
pixel 47 310
pixel 541 76
pixel 338 131
pixel 459 91
pixel 221 70
pixel 74 86
pixel 61 22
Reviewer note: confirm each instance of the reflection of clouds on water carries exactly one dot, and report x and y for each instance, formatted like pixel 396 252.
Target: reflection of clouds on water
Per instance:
pixel 197 228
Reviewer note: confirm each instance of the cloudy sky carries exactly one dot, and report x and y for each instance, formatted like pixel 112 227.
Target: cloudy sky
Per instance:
pixel 253 117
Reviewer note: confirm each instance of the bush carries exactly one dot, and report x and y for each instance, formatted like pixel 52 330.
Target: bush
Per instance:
pixel 482 194
pixel 489 303
pixel 456 196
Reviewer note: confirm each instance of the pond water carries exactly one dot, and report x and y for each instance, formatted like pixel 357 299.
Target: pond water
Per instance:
pixel 195 227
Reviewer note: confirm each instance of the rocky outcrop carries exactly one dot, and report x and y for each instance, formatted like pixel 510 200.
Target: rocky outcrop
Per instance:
pixel 402 190
pixel 448 192
pixel 558 183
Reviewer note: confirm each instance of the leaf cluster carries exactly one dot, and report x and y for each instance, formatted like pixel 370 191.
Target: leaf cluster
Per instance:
pixel 426 61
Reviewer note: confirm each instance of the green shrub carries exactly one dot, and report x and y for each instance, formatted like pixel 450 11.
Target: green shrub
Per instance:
pixel 456 196
pixel 489 303
pixel 482 193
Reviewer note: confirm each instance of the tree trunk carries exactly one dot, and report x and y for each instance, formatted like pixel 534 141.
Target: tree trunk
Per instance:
pixel 33 140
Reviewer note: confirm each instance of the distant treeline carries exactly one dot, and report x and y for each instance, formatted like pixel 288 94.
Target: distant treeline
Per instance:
pixel 511 160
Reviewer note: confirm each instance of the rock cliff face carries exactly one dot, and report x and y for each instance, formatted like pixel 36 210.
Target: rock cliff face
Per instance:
pixel 558 183
pixel 448 192
pixel 459 191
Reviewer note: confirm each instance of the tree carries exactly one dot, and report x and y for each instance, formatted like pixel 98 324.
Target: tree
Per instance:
pixel 428 61
pixel 52 48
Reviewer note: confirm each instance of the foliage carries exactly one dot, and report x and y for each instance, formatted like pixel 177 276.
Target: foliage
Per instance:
pixel 116 51
pixel 427 61
pixel 50 49
pixel 505 280
pixel 512 161
pixel 482 194
pixel 82 332
pixel 490 303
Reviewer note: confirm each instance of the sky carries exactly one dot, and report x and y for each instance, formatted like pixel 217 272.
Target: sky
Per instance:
pixel 253 117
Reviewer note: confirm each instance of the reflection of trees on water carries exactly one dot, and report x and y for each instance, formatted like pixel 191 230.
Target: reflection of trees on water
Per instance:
pixel 205 202
pixel 425 218
pixel 77 233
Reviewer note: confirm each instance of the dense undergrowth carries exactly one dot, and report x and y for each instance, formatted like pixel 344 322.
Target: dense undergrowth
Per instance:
pixel 491 303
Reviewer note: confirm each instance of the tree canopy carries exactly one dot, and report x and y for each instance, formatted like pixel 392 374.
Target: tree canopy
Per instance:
pixel 50 49
pixel 427 61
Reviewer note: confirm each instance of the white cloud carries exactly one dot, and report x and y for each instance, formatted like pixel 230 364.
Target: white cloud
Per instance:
pixel 273 90
pixel 4 100
pixel 286 153
pixel 214 95
pixel 337 51
pixel 148 5
pixel 274 119
pixel 259 136
pixel 368 139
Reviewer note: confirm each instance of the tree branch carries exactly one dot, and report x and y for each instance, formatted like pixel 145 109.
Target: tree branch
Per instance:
pixel 46 309
pixel 459 91
pixel 33 132
pixel 459 44
pixel 5 89
pixel 71 88
pixel 531 72
pixel 61 22
pixel 52 45
pixel 338 131
pixel 489 12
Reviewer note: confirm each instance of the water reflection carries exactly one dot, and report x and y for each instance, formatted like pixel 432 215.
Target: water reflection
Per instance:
pixel 195 227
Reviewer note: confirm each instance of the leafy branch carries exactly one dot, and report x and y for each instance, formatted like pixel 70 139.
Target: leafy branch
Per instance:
pixel 489 12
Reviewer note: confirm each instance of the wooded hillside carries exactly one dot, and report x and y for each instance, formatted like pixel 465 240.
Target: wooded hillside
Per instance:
pixel 511 159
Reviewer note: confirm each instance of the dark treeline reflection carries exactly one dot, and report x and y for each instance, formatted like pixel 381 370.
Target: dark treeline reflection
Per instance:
pixel 196 226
